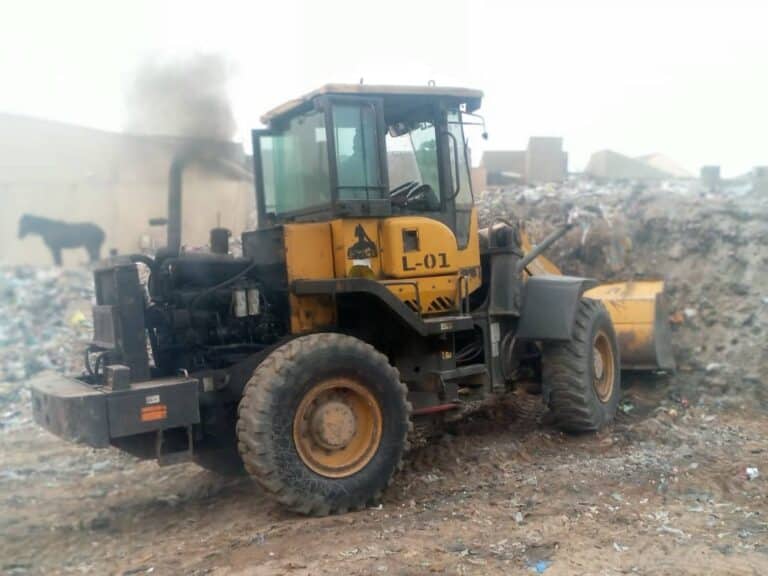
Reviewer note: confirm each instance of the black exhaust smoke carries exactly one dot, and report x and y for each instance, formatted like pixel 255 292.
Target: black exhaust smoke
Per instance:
pixel 187 98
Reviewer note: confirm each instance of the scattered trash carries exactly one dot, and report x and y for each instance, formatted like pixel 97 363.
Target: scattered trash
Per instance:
pixel 16 568
pixel 139 570
pixel 619 548
pixel 677 318
pixel 752 473
pixel 38 332
pixel 690 313
pixel 78 318
pixel 540 566
pixel 713 367
pixel 626 406
pixel 664 529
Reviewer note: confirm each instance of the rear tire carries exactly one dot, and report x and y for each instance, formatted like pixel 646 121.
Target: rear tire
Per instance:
pixel 323 423
pixel 582 377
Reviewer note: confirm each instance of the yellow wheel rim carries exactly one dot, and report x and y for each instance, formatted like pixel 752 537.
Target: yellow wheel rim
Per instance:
pixel 337 427
pixel 603 367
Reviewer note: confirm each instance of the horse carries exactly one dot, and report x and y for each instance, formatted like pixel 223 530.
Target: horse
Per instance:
pixel 58 235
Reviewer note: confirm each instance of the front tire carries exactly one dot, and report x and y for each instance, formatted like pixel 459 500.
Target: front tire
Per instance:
pixel 323 423
pixel 582 377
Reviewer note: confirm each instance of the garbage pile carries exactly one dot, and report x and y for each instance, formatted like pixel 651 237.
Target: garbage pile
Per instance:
pixel 45 323
pixel 711 248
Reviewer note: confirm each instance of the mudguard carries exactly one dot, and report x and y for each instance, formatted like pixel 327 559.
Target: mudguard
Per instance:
pixel 549 306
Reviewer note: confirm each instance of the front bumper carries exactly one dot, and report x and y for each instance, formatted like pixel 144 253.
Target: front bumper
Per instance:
pixel 92 415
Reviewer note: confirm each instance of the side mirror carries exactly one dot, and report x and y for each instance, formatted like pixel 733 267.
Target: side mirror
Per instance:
pixel 158 221
pixel 398 129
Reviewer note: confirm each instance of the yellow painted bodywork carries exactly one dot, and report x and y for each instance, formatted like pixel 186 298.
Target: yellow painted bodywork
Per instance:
pixel 309 256
pixel 431 295
pixel 431 279
pixel 442 271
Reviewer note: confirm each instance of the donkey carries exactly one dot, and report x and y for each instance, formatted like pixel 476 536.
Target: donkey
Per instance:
pixel 58 235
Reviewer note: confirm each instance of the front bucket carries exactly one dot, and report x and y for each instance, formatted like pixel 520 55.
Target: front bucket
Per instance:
pixel 639 314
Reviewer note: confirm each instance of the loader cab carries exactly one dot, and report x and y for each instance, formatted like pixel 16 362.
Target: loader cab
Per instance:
pixel 347 151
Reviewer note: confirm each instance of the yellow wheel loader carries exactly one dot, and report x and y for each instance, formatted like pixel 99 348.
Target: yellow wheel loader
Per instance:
pixel 368 306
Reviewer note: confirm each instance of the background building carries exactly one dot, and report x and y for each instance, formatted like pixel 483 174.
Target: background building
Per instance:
pixel 543 161
pixel 117 181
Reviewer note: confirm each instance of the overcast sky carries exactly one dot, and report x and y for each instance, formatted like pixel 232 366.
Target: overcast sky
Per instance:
pixel 685 78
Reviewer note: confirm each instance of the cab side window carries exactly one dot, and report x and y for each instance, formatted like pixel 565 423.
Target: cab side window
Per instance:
pixel 458 156
pixel 357 161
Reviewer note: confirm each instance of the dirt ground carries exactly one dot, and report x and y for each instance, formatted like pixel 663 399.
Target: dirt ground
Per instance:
pixel 663 491
pixel 677 485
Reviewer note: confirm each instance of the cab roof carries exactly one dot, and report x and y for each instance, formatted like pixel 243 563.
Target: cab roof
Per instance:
pixel 392 94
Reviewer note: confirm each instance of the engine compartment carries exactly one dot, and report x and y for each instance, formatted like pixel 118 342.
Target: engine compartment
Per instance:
pixel 177 314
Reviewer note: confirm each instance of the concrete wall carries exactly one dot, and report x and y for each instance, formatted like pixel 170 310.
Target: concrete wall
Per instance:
pixel 760 179
pixel 503 166
pixel 710 176
pixel 479 178
pixel 545 160
pixel 116 181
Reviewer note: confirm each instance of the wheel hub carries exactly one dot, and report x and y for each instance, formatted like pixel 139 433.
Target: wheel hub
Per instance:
pixel 598 362
pixel 333 424
pixel 602 367
pixel 337 427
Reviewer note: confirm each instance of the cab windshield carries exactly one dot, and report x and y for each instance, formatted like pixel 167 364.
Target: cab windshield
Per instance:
pixel 412 161
pixel 413 164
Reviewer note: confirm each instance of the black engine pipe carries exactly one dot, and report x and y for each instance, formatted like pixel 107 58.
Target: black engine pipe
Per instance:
pixel 210 153
pixel 175 176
